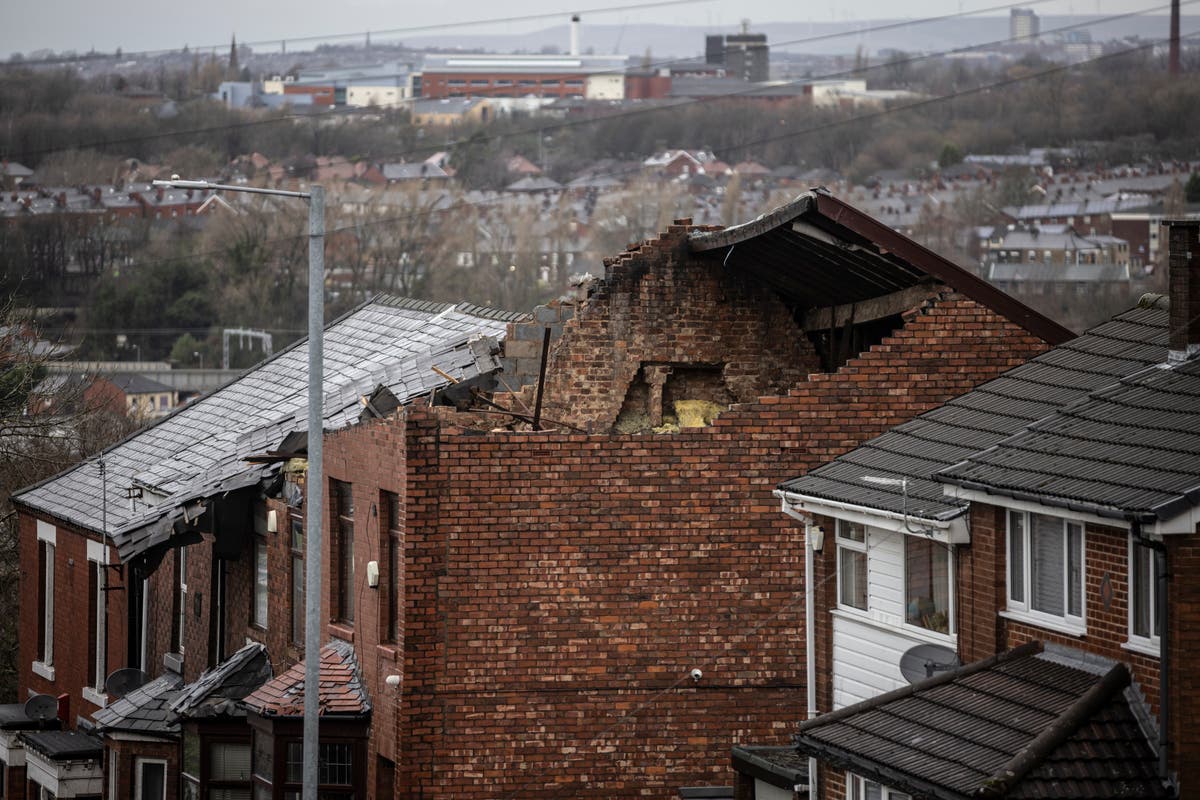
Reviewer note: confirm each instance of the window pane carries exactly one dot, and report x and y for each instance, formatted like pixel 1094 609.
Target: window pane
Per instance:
pixel 295 761
pixel 927 584
pixel 851 531
pixel 1139 590
pixel 1075 559
pixel 229 761
pixel 297 598
pixel 1046 535
pixel 153 781
pixel 336 765
pixel 260 583
pixel 1016 557
pixel 852 572
pixel 229 794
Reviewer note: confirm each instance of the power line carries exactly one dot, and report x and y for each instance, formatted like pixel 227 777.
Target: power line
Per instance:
pixel 362 34
pixel 893 109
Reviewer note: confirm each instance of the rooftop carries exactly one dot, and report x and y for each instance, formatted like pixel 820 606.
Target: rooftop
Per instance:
pixel 341 691
pixel 1023 724
pixel 146 709
pixel 218 691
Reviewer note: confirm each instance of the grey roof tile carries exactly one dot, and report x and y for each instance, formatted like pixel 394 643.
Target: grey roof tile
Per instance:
pixel 980 419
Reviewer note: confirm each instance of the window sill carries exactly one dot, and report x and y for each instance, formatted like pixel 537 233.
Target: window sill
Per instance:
pixel 43 670
pixel 908 631
pixel 386 651
pixel 1146 647
pixel 1056 624
pixel 95 698
pixel 342 631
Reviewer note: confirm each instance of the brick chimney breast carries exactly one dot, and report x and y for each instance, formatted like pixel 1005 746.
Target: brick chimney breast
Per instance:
pixel 1183 279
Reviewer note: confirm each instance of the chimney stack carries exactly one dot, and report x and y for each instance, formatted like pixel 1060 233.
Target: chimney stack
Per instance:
pixel 1183 282
pixel 574 34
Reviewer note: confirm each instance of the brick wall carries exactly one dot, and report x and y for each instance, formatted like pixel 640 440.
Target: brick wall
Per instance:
pixel 72 665
pixel 559 585
pixel 128 752
pixel 370 457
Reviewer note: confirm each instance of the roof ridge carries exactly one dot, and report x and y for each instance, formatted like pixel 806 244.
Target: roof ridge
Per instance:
pixel 1055 734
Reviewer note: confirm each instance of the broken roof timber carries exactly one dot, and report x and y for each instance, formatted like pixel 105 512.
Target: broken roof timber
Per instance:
pixel 870 260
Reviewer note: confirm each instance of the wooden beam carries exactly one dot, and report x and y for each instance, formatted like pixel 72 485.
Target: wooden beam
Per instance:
pixel 888 305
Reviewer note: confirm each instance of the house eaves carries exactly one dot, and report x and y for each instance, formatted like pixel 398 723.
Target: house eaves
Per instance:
pixel 818 251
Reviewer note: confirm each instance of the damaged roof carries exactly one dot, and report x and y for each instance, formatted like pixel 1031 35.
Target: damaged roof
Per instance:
pixel 979 419
pixel 199 451
pixel 218 691
pixel 1023 724
pixel 146 709
pixel 816 252
pixel 341 691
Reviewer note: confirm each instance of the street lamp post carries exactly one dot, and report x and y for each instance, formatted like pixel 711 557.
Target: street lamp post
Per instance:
pixel 315 484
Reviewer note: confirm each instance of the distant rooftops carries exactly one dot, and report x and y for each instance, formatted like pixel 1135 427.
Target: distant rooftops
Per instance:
pixel 460 62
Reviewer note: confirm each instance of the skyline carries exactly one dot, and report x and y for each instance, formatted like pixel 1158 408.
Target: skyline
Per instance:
pixel 141 26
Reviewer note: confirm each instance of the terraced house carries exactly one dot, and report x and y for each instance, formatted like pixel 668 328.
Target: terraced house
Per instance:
pixel 1003 588
pixel 538 526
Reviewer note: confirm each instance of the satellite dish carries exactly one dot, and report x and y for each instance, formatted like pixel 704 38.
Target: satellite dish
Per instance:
pixel 924 660
pixel 41 707
pixel 124 681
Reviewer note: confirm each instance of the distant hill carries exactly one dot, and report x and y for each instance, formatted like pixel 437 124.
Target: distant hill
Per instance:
pixel 681 41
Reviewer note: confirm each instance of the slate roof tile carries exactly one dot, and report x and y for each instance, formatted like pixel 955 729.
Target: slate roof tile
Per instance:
pixel 181 456
pixel 146 709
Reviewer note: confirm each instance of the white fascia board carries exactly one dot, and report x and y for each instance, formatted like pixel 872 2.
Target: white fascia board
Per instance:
pixel 1178 524
pixel 977 496
pixel 953 531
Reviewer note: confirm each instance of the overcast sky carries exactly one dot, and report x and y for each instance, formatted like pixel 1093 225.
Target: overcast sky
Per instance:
pixel 136 25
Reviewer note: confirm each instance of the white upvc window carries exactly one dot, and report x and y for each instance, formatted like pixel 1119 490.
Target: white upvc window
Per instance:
pixel 852 565
pixel 1046 571
pixel 1145 628
pixel 47 539
pixel 859 788
pixel 261 588
pixel 928 584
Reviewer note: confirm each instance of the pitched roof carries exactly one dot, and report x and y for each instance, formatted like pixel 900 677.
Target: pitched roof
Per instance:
pixel 977 420
pixel 146 709
pixel 817 251
pixel 1022 724
pixel 200 449
pixel 1130 449
pixel 218 691
pixel 341 691
pixel 133 383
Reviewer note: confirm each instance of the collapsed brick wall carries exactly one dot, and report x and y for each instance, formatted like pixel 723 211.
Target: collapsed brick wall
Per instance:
pixel 659 306
pixel 560 586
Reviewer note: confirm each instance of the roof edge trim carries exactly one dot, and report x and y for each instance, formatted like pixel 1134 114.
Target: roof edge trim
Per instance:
pixel 702 241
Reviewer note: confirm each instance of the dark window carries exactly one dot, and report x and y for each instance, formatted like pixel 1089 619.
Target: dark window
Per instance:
pixel 259 612
pixel 335 769
pixel 343 494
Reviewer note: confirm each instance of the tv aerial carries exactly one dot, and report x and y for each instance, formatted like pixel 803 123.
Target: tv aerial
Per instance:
pixel 925 660
pixel 123 681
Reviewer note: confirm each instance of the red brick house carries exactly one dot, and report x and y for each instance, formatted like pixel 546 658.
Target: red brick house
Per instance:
pixel 538 574
pixel 1003 586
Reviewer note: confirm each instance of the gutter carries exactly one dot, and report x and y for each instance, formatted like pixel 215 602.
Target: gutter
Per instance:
pixel 952 524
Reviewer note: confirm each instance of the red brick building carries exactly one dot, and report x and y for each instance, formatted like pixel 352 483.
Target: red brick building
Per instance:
pixel 539 598
pixel 1040 530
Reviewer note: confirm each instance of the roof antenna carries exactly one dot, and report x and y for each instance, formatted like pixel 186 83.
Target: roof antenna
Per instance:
pixel 879 480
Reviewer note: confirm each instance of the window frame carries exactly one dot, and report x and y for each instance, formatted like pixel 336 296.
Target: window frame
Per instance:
pixel 343 550
pixel 1151 644
pixel 1023 609
pixel 849 544
pixel 97 625
pixel 47 539
pixel 296 586
pixel 260 595
pixel 856 789
pixel 393 548
pixel 951 611
pixel 139 763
